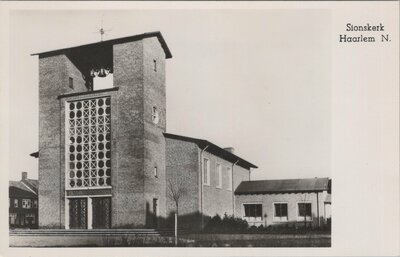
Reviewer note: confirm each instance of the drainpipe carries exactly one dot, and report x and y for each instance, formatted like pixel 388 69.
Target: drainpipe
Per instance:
pixel 233 190
pixel 319 222
pixel 201 185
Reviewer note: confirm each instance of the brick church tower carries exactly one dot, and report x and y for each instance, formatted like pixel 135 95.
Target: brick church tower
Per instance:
pixel 102 151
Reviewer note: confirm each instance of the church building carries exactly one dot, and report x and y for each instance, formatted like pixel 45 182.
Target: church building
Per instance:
pixel 105 158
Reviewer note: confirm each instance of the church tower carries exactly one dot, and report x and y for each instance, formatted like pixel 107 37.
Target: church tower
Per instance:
pixel 102 114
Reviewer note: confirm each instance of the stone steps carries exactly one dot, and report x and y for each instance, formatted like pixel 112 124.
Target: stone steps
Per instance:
pixel 64 232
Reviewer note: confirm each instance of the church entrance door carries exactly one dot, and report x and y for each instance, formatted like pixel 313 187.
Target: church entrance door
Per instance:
pixel 78 213
pixel 101 212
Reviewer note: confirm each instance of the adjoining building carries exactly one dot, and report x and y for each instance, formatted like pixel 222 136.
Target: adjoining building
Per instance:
pixel 288 202
pixel 104 157
pixel 208 176
pixel 23 203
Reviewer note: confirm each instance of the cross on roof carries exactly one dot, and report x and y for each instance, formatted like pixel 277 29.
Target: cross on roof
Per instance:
pixel 102 31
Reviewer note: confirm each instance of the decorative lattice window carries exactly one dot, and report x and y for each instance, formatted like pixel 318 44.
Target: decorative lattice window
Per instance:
pixel 89 143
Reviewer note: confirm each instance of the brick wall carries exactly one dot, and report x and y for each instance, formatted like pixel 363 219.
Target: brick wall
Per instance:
pixel 54 73
pixel 182 168
pixel 220 200
pixel 154 141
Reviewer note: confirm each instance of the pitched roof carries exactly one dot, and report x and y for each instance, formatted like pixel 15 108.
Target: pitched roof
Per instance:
pixel 113 42
pixel 214 149
pixel 283 186
pixel 29 186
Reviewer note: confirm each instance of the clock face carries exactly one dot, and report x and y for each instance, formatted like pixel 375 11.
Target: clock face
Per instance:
pixel 155 116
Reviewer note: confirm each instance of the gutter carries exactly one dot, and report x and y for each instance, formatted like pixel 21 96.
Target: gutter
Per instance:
pixel 201 185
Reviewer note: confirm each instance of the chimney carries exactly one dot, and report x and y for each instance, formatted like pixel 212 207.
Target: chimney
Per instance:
pixel 230 149
pixel 24 175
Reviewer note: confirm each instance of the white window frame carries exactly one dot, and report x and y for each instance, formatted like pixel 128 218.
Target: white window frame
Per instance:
pixel 301 218
pixel 155 114
pixel 35 204
pixel 206 168
pixel 229 172
pixel 15 203
pixel 253 219
pixel 26 203
pixel 155 170
pixel 13 218
pixel 218 168
pixel 280 219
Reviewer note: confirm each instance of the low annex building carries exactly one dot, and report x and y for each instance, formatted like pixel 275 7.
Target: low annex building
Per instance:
pixel 289 202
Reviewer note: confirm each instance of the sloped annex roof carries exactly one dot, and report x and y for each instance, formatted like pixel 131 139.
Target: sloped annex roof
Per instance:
pixel 283 186
pixel 113 42
pixel 214 149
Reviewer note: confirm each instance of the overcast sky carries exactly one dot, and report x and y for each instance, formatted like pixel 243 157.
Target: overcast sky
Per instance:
pixel 259 81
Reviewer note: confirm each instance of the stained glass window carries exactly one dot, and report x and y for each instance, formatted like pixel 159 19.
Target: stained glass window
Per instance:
pixel 89 143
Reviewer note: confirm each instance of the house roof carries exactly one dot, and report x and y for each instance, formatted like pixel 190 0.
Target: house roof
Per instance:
pixel 113 42
pixel 214 149
pixel 28 186
pixel 283 186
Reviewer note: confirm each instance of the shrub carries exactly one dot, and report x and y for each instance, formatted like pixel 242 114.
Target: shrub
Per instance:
pixel 227 224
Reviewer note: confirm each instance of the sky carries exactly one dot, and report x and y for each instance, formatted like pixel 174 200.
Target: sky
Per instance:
pixel 255 80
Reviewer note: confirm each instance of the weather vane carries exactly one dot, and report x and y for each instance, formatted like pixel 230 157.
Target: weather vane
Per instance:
pixel 102 31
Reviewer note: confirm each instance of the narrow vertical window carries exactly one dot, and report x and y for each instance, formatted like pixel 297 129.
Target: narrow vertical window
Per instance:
pixel 155 115
pixel 71 83
pixel 206 171
pixel 15 203
pixel 155 65
pixel 219 175
pixel 229 171
pixel 155 172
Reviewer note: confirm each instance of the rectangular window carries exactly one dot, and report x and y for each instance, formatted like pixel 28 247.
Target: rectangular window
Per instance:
pixel 71 83
pixel 88 148
pixel 219 175
pixel 304 211
pixel 13 218
pixel 15 203
pixel 206 171
pixel 229 171
pixel 280 212
pixel 253 210
pixel 26 203
pixel 155 172
pixel 35 205
pixel 30 219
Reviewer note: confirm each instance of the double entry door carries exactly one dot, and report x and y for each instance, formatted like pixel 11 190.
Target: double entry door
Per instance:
pixel 100 213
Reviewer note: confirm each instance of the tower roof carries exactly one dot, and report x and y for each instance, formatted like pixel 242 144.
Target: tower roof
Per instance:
pixel 113 42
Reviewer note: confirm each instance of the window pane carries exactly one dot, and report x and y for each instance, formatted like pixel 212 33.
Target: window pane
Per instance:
pixel 258 210
pixel 308 209
pixel 277 210
pixel 284 210
pixel 246 210
pixel 301 209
